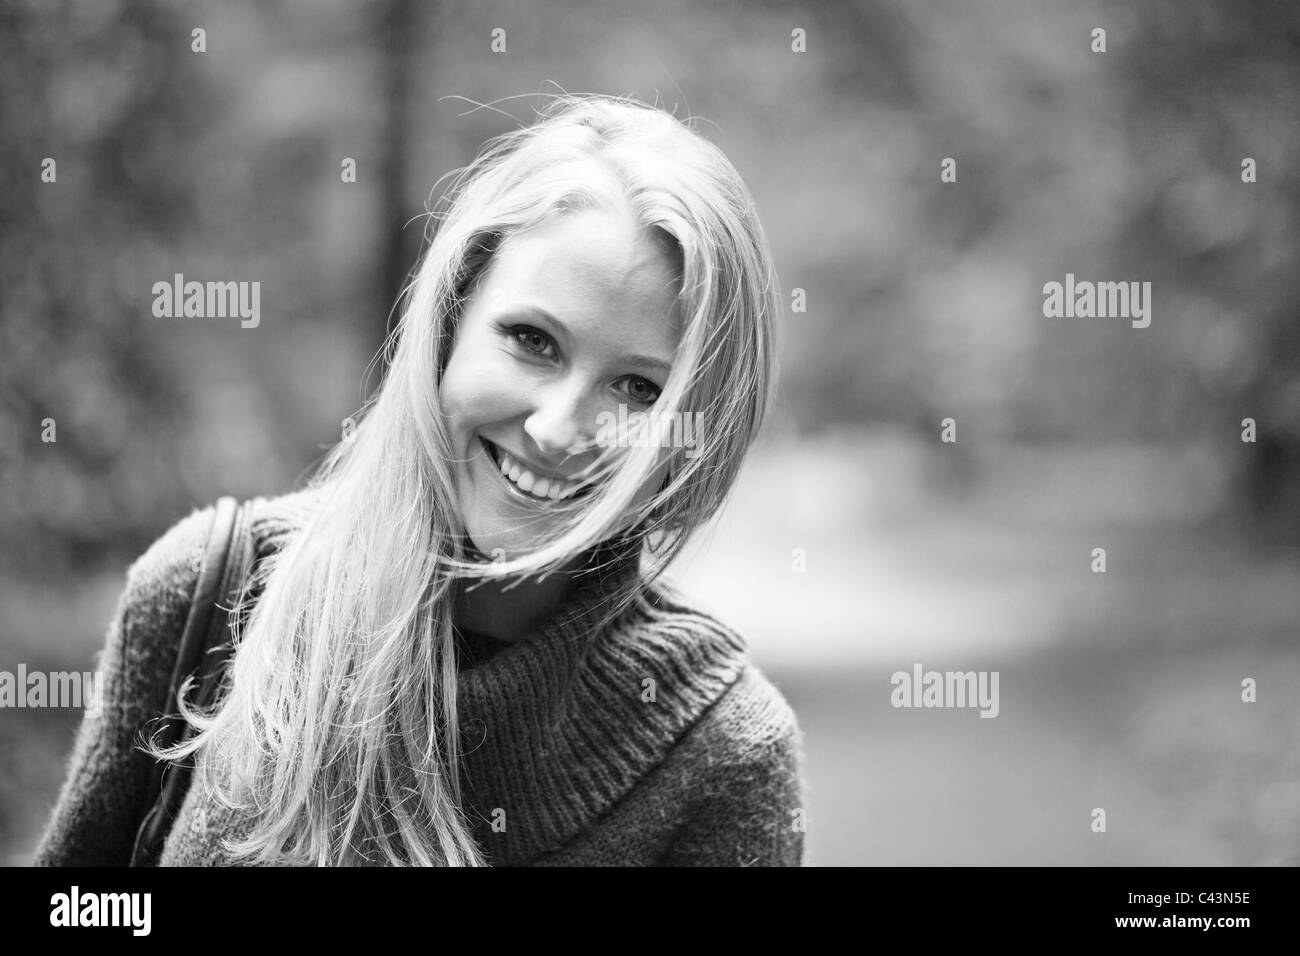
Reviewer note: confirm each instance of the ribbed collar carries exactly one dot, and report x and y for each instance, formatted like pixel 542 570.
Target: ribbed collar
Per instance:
pixel 557 728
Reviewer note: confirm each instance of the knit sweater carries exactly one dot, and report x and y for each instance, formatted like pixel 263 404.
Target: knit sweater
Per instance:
pixel 564 745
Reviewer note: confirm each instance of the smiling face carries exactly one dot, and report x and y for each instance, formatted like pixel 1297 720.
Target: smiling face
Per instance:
pixel 572 320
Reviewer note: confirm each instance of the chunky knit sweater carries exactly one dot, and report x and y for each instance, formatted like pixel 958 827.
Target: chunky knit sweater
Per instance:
pixel 564 744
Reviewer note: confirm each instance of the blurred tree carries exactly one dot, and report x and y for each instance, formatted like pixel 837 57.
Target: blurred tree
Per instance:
pixel 402 28
pixel 107 94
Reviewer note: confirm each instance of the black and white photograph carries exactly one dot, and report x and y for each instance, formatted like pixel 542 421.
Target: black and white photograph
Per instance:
pixel 577 434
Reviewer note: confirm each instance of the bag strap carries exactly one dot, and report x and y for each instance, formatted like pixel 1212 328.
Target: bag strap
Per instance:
pixel 204 648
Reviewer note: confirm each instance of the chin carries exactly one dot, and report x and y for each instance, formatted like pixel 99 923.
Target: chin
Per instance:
pixel 489 529
pixel 488 543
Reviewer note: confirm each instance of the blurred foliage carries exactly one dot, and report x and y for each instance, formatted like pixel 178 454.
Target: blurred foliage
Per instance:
pixel 924 299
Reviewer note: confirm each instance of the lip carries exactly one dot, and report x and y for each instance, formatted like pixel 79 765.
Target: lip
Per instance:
pixel 512 488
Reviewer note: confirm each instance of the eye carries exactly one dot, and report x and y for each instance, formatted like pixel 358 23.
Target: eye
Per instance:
pixel 531 340
pixel 642 391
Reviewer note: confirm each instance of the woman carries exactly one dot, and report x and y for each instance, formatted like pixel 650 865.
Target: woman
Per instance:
pixel 457 648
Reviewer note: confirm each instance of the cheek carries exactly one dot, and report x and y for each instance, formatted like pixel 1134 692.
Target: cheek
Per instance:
pixel 476 387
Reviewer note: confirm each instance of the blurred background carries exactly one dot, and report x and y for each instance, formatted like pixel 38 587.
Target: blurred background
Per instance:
pixel 857 543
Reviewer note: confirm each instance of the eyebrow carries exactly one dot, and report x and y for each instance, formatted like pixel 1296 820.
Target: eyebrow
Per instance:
pixel 644 362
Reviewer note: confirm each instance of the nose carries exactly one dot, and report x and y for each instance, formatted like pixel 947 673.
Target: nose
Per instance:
pixel 562 423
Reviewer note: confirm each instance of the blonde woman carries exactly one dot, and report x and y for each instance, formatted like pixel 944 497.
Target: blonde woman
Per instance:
pixel 458 646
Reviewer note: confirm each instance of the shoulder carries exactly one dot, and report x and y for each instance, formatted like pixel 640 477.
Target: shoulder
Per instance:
pixel 140 651
pixel 752 726
pixel 167 572
pixel 160 583
pixel 163 577
pixel 742 767
pixel 749 721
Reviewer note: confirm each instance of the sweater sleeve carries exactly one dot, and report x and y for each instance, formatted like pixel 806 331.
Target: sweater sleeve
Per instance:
pixel 99 806
pixel 749 809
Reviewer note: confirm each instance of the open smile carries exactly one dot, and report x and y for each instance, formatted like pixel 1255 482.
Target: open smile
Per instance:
pixel 521 482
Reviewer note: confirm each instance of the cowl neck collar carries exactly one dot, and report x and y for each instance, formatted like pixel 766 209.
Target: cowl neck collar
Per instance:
pixel 558 727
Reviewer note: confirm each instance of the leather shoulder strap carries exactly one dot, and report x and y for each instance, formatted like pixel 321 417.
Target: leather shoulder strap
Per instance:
pixel 203 651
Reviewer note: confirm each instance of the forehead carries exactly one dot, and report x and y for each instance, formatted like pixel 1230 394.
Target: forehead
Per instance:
pixel 597 271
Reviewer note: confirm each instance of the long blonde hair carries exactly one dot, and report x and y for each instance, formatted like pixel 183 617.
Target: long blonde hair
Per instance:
pixel 339 733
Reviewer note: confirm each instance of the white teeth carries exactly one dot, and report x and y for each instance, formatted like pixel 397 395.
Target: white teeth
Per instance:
pixel 555 489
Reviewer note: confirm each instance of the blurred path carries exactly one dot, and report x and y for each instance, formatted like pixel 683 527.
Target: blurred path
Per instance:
pixel 1119 690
